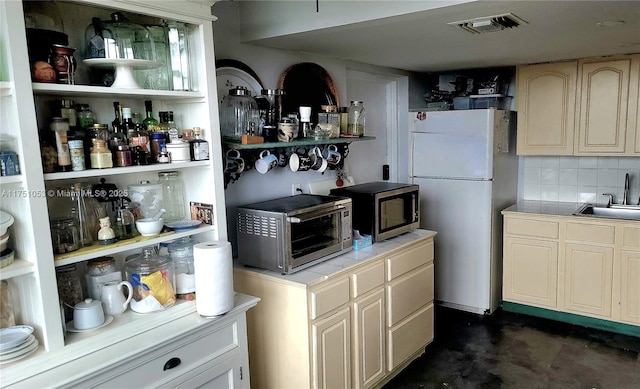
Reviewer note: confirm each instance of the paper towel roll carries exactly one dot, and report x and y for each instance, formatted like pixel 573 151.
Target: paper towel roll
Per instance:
pixel 213 267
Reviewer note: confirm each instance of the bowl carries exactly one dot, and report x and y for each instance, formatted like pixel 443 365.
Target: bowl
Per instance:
pixel 3 241
pixel 149 227
pixel 6 257
pixel 6 220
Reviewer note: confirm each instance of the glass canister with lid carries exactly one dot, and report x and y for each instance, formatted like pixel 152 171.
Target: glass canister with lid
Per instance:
pixel 152 278
pixel 100 271
pixel 356 120
pixel 64 235
pixel 181 253
pixel 69 289
pixel 238 114
pixel 173 196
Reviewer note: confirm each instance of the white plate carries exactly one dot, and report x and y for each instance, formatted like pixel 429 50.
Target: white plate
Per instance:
pixel 25 352
pixel 71 328
pixel 13 336
pixel 183 224
pixel 18 350
pixel 230 77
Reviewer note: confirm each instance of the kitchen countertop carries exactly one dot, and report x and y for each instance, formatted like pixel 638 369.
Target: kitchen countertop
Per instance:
pixel 554 208
pixel 322 271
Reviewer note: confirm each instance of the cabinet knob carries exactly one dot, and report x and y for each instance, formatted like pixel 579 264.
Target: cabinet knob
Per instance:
pixel 171 363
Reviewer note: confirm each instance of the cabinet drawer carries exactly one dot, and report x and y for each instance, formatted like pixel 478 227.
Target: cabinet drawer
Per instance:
pixel 366 279
pixel 149 369
pixel 328 297
pixel 410 336
pixel 591 233
pixel 406 294
pixel 631 237
pixel 527 227
pixel 409 260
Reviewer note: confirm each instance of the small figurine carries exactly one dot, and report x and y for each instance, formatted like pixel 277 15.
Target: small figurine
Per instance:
pixel 106 235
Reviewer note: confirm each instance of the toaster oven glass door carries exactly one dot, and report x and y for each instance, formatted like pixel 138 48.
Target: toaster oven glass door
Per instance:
pixel 314 235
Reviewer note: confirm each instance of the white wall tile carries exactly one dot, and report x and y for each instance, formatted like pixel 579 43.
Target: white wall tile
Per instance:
pixel 553 162
pixel 568 176
pixel 587 177
pixel 532 192
pixel 629 163
pixel 608 162
pixel 587 194
pixel 549 192
pixel 532 175
pixel 569 162
pixel 608 177
pixel 568 193
pixel 532 161
pixel 587 162
pixel 549 176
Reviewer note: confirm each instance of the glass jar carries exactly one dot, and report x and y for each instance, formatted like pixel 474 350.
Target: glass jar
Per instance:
pixel 7 317
pixel 60 127
pixel 100 271
pixel 181 253
pixel 152 278
pixel 329 119
pixel 85 116
pixel 64 235
pixel 101 157
pixel 148 196
pixel 69 289
pixel 355 124
pixel 173 196
pixel 237 112
pixel 76 150
pixel 101 266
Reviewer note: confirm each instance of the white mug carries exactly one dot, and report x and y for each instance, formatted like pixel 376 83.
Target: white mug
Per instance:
pixel 266 162
pixel 113 301
pixel 332 155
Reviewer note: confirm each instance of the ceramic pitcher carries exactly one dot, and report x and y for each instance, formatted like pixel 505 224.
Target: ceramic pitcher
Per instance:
pixel 113 301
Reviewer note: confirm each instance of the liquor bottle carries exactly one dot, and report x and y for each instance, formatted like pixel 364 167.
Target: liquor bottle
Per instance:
pixel 150 123
pixel 117 112
pixel 164 123
pixel 198 148
pixel 136 133
pixel 173 129
pixel 128 126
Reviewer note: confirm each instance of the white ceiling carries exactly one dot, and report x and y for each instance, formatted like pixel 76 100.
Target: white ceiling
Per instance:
pixel 423 41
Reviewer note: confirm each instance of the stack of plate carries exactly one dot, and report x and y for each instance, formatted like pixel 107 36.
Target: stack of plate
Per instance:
pixel 16 343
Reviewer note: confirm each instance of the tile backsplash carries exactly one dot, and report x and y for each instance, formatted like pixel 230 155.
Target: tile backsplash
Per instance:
pixel 578 179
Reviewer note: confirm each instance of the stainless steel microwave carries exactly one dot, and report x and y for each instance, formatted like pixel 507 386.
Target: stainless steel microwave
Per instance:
pixel 383 209
pixel 292 233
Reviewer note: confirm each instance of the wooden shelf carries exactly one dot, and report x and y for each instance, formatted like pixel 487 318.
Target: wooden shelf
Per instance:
pixel 123 170
pixel 97 250
pixel 295 143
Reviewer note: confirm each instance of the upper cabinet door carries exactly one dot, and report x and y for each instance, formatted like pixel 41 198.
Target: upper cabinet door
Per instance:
pixel 546 108
pixel 604 99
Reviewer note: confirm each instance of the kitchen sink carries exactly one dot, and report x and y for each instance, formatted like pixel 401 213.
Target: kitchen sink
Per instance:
pixel 616 212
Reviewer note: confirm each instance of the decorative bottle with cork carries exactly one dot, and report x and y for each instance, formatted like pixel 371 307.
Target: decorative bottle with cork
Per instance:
pixel 198 148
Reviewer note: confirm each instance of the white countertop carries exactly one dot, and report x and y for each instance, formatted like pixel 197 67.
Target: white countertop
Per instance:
pixel 324 270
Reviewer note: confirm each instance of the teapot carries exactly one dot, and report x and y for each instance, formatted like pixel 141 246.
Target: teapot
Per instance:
pixel 113 301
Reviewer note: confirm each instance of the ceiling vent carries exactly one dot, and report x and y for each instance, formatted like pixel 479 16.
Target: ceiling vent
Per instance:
pixel 487 24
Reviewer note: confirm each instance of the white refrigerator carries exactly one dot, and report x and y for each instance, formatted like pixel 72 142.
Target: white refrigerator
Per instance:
pixel 467 169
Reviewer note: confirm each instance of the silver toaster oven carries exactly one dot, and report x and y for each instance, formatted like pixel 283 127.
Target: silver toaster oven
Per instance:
pixel 291 233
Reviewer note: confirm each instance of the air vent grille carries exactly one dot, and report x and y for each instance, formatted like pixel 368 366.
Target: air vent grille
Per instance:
pixel 258 225
pixel 488 24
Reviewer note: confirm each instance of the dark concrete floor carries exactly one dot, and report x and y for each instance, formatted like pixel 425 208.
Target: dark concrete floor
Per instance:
pixel 509 350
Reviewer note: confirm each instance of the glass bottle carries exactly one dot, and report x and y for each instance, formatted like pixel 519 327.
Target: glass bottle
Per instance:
pixel 172 128
pixel 117 112
pixel 68 111
pixel 85 116
pixel 150 123
pixel 118 139
pixel 164 122
pixel 355 125
pixel 86 213
pixel 181 253
pixel 198 148
pixel 137 135
pixel 60 126
pixel 173 196
pixel 69 289
pixel 125 225
pixel 101 157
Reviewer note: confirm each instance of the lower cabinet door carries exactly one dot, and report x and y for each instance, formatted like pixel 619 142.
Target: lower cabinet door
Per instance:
pixel 630 286
pixel 226 375
pixel 409 336
pixel 331 345
pixel 588 279
pixel 368 343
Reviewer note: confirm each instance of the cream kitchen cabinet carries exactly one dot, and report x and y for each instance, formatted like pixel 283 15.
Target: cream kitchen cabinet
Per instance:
pixel 578 265
pixel 629 276
pixel 530 269
pixel 604 106
pixel 546 100
pixel 351 322
pixel 583 107
pixel 26 107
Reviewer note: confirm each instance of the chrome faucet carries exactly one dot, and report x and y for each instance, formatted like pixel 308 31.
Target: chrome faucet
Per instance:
pixel 625 195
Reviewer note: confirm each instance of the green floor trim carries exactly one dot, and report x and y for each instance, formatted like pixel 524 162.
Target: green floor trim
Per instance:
pixel 620 328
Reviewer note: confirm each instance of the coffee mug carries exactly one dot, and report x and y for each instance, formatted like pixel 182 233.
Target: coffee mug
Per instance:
pixel 318 163
pixel 233 163
pixel 286 130
pixel 283 159
pixel 331 154
pixel 300 162
pixel 266 162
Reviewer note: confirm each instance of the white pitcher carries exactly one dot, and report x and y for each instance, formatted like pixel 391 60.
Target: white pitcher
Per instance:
pixel 113 301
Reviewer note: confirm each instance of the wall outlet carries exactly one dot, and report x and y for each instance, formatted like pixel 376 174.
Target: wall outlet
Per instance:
pixel 296 189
